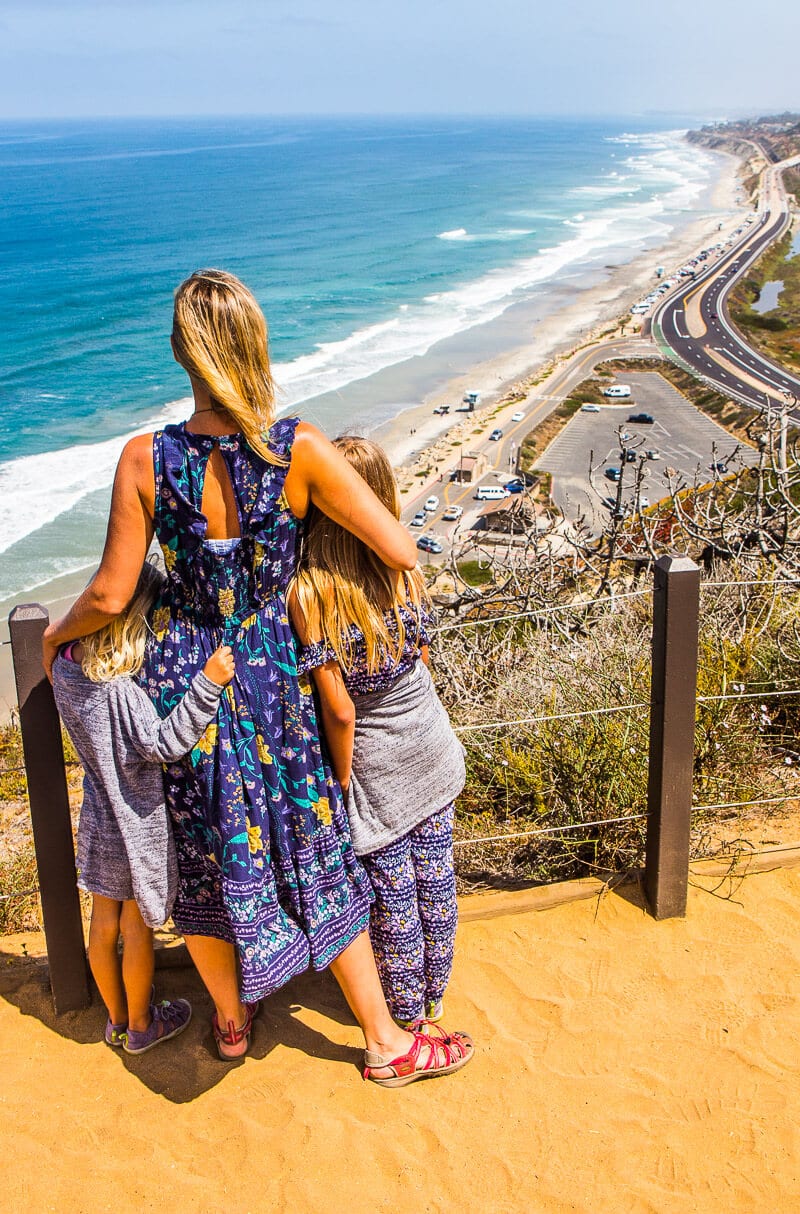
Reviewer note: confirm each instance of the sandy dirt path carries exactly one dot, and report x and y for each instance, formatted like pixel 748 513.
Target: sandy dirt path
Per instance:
pixel 623 1065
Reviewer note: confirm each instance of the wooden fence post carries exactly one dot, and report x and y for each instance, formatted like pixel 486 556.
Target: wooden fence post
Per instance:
pixel 49 804
pixel 673 695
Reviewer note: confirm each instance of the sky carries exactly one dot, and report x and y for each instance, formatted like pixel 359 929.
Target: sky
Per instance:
pixel 708 58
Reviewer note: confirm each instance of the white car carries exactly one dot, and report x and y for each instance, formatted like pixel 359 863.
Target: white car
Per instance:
pixel 431 503
pixel 590 408
pixel 452 514
pixel 644 503
pixel 518 417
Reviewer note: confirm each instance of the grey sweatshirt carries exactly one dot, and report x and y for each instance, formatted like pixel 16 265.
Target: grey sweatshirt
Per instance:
pixel 125 846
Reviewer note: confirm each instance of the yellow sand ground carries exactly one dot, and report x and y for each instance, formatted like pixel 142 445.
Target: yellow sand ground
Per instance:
pixel 623 1065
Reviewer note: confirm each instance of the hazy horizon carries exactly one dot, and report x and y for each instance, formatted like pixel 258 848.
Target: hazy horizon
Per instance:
pixel 209 58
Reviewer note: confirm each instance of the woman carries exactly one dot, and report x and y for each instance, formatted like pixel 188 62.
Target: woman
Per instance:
pixel 267 872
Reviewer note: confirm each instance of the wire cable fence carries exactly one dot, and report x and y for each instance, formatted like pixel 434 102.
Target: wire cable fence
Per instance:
pixel 547 830
pixel 539 612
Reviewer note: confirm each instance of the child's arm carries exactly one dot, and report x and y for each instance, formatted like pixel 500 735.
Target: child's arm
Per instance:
pixel 338 719
pixel 336 707
pixel 167 740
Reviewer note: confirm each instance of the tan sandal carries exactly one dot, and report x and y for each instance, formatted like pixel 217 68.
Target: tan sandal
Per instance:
pixel 432 1053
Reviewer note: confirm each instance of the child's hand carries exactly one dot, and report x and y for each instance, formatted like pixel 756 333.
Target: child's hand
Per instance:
pixel 220 667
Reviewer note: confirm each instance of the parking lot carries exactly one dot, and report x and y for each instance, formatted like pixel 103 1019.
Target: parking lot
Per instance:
pixel 684 438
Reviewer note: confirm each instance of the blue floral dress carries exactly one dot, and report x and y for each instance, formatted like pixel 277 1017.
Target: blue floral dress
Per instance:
pixel 264 852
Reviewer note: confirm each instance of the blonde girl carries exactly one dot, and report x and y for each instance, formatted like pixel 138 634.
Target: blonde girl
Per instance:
pixel 364 630
pixel 126 856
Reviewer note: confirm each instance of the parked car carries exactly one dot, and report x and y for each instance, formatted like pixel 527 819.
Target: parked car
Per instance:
pixel 419 519
pixel 610 503
pixel 626 436
pixel 515 486
pixel 644 503
pixel 653 454
pixel 442 409
pixel 613 473
pixel 719 466
pixel 627 456
pixel 431 503
pixel 518 417
pixel 642 419
pixel 453 513
pixel 429 543
pixel 590 408
pixel 495 436
pixel 490 493
pixel 617 390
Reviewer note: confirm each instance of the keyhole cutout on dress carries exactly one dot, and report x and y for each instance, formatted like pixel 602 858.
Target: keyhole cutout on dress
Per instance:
pixel 219 500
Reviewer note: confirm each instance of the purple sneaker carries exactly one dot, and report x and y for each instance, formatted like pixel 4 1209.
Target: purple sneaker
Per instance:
pixel 115 1034
pixel 169 1017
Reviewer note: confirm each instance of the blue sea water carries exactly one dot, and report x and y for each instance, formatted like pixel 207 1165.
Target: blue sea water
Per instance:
pixel 366 241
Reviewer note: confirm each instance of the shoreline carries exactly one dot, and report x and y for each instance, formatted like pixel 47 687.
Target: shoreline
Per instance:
pixel 531 338
pixel 577 323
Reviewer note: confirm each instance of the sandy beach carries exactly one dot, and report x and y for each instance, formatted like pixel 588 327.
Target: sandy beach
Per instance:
pixel 526 342
pixel 621 1065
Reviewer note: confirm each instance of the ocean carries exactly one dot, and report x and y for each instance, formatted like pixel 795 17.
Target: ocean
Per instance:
pixel 368 242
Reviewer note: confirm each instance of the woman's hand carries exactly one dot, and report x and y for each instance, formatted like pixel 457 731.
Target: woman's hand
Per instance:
pixel 221 666
pixel 50 648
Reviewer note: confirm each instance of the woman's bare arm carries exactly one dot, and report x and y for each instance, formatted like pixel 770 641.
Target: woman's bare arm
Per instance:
pixel 130 531
pixel 320 474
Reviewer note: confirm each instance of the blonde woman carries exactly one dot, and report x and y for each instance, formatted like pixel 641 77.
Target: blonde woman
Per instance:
pixel 267 875
pixel 126 858
pixel 364 631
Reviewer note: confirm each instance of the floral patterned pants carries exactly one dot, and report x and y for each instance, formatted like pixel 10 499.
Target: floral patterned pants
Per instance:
pixel 414 915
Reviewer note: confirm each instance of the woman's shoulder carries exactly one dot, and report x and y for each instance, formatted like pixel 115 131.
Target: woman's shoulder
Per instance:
pixel 138 451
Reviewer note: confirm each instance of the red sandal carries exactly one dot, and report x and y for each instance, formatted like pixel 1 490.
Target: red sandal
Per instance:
pixel 232 1043
pixel 433 1052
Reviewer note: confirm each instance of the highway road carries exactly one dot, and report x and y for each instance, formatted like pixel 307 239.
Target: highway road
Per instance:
pixel 693 323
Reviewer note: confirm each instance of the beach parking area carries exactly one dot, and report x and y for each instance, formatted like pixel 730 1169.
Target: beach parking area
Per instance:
pixel 681 438
pixel 622 1065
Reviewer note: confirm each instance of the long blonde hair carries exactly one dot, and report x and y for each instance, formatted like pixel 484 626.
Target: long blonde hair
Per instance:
pixel 118 649
pixel 341 582
pixel 219 336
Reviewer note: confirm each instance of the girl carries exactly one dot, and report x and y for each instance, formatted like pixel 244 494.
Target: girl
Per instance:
pixel 126 856
pixel 363 627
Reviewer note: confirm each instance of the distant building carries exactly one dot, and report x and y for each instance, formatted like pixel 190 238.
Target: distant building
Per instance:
pixel 469 468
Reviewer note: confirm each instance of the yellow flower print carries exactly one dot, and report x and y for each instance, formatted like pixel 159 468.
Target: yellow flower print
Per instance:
pixel 249 622
pixel 226 601
pixel 263 750
pixel 208 741
pixel 160 622
pixel 304 683
pixel 283 501
pixel 254 840
pixel 170 557
pixel 259 552
pixel 322 809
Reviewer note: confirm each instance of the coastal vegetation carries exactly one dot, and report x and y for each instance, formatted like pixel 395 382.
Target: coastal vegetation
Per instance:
pixel 776 332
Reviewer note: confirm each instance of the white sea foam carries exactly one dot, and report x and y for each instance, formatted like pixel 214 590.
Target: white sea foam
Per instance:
pixel 502 234
pixel 36 489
